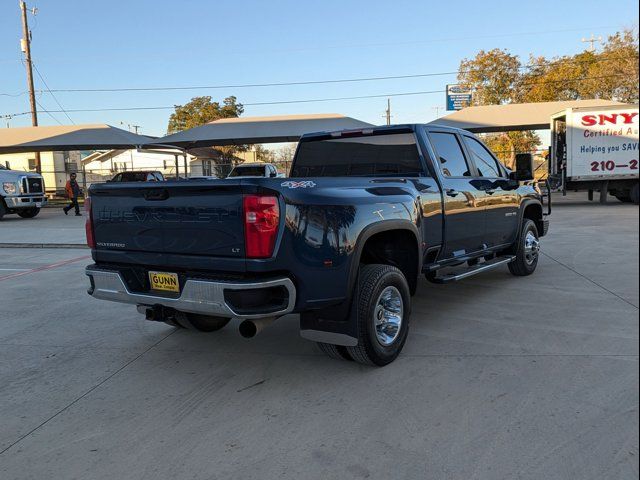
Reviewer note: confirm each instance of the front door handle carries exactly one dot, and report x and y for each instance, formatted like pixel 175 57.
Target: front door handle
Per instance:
pixel 490 191
pixel 452 192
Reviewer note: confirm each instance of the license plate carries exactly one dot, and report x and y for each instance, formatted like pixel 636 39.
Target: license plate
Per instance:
pixel 167 282
pixel 38 204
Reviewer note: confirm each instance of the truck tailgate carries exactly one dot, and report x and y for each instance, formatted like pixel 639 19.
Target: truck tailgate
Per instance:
pixel 188 218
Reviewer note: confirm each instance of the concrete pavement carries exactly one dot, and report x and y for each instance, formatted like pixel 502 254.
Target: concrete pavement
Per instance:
pixel 501 377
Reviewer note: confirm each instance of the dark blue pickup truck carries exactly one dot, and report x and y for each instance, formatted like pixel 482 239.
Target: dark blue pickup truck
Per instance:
pixel 342 241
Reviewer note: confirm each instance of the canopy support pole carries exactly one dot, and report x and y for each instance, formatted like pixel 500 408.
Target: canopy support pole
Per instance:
pixel 177 166
pixel 186 170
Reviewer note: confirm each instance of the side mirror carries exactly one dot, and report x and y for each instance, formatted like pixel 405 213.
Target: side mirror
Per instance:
pixel 524 167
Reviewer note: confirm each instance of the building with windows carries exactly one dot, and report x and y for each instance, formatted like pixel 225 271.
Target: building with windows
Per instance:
pixel 55 166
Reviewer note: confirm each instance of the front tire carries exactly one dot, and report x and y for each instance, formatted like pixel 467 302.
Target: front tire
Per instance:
pixel 29 212
pixel 527 250
pixel 381 308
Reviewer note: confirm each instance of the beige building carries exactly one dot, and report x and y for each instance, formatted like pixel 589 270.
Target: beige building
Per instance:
pixel 55 166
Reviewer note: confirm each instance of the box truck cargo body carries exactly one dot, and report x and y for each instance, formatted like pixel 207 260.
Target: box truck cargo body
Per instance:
pixel 596 149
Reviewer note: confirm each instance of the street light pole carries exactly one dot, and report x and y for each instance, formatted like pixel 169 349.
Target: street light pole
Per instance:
pixel 26 48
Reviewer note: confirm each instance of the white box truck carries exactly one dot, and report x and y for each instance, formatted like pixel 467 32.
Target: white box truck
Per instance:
pixel 596 149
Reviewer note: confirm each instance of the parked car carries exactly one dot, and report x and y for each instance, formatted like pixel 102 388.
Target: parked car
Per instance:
pixel 342 242
pixel 21 193
pixel 138 176
pixel 252 170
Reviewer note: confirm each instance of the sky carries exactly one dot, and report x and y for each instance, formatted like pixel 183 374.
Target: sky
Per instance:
pixel 162 43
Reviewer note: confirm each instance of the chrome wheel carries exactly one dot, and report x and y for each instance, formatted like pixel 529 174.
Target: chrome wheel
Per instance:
pixel 387 315
pixel 531 247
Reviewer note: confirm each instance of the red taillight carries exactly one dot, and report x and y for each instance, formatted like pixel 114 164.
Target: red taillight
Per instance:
pixel 261 219
pixel 91 239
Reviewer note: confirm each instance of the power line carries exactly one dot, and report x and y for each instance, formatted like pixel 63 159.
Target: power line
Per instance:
pixel 317 100
pixel 48 112
pixel 314 82
pixel 51 93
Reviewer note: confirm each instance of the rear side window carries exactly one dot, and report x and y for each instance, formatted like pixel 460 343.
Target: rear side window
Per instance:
pixel 369 156
pixel 450 155
pixel 485 163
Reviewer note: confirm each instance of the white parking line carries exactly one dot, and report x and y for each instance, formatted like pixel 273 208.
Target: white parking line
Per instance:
pixel 14 269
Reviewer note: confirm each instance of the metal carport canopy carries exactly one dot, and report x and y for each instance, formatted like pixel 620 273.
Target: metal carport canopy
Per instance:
pixel 513 116
pixel 68 137
pixel 247 130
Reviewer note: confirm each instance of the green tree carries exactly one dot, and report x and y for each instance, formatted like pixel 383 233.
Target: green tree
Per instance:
pixel 506 145
pixel 201 110
pixel 611 74
pixel 493 76
pixel 263 154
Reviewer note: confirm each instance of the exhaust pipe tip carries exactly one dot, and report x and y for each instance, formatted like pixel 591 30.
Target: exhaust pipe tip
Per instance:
pixel 250 328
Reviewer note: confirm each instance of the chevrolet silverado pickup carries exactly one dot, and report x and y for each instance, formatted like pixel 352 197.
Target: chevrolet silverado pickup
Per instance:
pixel 341 242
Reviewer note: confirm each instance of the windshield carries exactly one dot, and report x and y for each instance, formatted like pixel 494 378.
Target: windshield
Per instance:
pixel 257 171
pixel 375 155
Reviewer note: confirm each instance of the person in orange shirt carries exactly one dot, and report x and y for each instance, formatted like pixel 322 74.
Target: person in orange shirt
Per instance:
pixel 73 192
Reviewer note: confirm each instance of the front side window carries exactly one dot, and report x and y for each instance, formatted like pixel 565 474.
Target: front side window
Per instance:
pixel 485 163
pixel 450 154
pixel 365 156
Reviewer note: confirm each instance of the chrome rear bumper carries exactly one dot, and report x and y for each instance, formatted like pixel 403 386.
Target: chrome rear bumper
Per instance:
pixel 198 296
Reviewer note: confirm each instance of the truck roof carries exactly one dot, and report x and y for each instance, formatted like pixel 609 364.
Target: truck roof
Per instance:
pixel 400 128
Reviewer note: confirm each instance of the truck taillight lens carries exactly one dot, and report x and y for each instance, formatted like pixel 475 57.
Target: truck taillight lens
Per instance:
pixel 91 239
pixel 261 219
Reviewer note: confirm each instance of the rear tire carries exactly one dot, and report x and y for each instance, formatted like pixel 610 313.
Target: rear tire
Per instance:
pixel 29 212
pixel 381 308
pixel 527 250
pixel 3 209
pixel 337 352
pixel 201 323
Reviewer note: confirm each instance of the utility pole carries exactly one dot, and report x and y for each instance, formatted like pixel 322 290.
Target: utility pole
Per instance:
pixel 592 41
pixel 388 111
pixel 437 109
pixel 136 127
pixel 25 45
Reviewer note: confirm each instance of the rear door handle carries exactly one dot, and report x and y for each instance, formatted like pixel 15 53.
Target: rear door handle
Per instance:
pixel 451 192
pixel 490 191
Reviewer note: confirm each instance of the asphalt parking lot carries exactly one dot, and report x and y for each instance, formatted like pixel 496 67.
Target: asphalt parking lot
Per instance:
pixel 501 377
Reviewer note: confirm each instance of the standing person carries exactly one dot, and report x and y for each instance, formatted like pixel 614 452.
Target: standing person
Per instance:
pixel 73 192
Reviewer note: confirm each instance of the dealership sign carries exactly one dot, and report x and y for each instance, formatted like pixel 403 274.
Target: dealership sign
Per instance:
pixel 458 97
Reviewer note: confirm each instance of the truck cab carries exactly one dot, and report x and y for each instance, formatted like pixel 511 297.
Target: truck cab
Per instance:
pixel 21 193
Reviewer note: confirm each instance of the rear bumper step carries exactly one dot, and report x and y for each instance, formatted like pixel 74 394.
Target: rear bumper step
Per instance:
pixel 215 298
pixel 476 269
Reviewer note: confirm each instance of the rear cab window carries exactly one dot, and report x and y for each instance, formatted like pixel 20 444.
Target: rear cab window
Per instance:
pixel 257 171
pixel 381 154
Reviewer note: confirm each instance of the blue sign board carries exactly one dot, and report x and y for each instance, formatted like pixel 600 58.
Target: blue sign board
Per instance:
pixel 458 97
